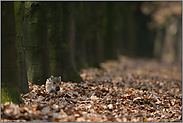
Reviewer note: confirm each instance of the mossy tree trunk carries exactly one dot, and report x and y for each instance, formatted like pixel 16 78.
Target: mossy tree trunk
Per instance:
pixel 63 44
pixel 29 28
pixel 37 49
pixel 43 38
pixel 68 70
pixel 9 56
pixel 55 37
pixel 19 17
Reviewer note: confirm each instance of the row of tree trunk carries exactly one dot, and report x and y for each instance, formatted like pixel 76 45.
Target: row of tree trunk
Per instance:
pixel 40 39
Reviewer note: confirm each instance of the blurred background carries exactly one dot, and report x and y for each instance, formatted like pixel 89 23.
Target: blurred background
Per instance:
pixel 94 32
pixel 166 22
pixel 148 29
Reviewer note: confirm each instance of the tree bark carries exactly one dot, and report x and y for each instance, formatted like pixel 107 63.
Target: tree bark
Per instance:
pixel 80 45
pixel 63 57
pixel 144 37
pixel 68 71
pixel 55 37
pixel 90 34
pixel 110 51
pixel 37 49
pixel 19 17
pixel 93 32
pixel 43 37
pixel 10 64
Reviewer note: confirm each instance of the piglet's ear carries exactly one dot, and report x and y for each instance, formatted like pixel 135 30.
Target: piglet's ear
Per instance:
pixel 49 80
pixel 51 77
pixel 59 78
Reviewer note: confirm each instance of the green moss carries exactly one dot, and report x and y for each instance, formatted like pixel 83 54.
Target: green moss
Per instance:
pixel 7 96
pixel 16 6
pixel 28 4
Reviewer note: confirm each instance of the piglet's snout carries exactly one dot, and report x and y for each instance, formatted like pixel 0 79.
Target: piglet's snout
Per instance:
pixel 57 88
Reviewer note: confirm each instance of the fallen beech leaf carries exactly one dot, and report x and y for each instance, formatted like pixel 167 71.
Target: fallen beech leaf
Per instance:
pixel 125 91
pixel 45 110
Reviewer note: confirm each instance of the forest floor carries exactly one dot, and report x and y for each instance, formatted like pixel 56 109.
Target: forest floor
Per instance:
pixel 128 90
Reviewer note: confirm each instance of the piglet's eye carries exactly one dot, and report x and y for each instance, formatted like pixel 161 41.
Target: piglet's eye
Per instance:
pixel 54 83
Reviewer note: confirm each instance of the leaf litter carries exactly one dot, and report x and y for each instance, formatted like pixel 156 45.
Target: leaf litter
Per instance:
pixel 128 90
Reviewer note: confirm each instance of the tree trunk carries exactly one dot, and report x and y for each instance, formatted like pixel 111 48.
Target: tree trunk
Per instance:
pixel 90 34
pixel 19 17
pixel 43 37
pixel 178 42
pixel 63 57
pixel 37 49
pixel 98 11
pixel 10 63
pixel 68 70
pixel 55 37
pixel 80 55
pixel 129 29
pixel 120 29
pixel 158 42
pixel 110 51
pixel 144 37
pixel 93 32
